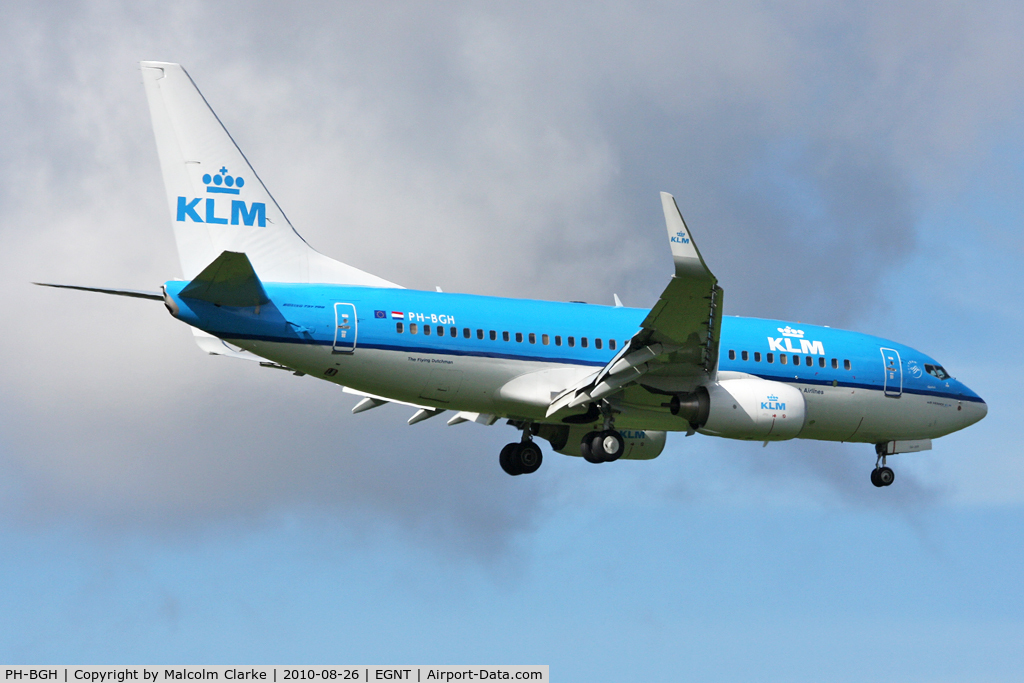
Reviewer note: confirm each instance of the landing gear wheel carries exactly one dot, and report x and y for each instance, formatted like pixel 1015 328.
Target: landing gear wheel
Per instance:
pixel 507 459
pixel 527 458
pixel 882 476
pixel 586 448
pixel 610 445
pixel 606 446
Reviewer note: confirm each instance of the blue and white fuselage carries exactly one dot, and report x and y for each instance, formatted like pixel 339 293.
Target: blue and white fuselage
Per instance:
pixel 399 340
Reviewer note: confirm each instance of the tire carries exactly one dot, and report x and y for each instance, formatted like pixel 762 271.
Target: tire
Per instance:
pixel 527 458
pixel 586 448
pixel 886 476
pixel 611 445
pixel 508 459
pixel 874 478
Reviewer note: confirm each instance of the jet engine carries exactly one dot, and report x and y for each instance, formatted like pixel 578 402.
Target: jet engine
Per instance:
pixel 749 408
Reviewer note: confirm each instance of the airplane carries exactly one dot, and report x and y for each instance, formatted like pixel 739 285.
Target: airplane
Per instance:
pixel 601 382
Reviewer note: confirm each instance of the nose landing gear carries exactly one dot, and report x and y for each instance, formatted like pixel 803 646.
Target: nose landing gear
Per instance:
pixel 882 476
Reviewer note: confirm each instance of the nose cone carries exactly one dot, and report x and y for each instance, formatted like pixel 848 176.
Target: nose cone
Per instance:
pixel 971 407
pixel 973 410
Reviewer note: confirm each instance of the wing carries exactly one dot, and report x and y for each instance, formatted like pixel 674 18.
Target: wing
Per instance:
pixel 676 348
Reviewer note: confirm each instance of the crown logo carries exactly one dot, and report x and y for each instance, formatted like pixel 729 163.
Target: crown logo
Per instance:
pixel 788 331
pixel 773 398
pixel 222 183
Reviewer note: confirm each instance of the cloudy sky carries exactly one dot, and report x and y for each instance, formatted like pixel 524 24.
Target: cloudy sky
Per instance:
pixel 856 165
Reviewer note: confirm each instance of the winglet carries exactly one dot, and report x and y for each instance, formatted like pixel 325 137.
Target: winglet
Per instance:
pixel 684 250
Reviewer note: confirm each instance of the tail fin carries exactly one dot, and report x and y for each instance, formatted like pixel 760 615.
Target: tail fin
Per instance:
pixel 217 201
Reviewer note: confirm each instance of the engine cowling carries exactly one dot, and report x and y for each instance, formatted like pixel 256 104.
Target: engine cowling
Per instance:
pixel 748 408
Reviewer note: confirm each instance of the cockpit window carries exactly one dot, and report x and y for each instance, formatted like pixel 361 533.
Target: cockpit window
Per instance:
pixel 936 371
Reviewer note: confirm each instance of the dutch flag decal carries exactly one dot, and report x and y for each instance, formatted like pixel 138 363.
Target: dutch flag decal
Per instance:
pixel 397 315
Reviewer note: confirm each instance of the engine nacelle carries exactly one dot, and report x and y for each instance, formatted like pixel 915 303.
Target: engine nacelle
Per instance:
pixel 754 409
pixel 641 444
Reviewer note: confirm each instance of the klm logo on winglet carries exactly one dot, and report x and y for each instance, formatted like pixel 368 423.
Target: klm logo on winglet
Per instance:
pixel 254 213
pixel 772 404
pixel 680 238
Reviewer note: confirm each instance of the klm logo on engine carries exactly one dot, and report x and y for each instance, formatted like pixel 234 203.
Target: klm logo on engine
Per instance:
pixel 785 342
pixel 254 213
pixel 773 403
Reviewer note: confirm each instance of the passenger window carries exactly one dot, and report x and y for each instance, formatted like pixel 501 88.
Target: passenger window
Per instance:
pixel 821 361
pixel 611 344
pixel 532 338
pixel 455 331
pixel 597 343
pixel 572 341
pixel 426 330
pixel 846 365
pixel 583 342
pixel 494 335
pixel 782 358
pixel 412 328
pixel 757 356
pixel 465 332
pixel 744 355
pixel 519 337
pixel 558 340
pixel 504 336
pixel 440 331
pixel 545 339
pixel 796 359
pixel 398 328
pixel 479 334
pixel 771 357
pixel 732 355
pixel 810 361
pixel 835 363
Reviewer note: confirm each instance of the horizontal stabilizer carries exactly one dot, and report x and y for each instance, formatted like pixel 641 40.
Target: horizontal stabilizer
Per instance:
pixel 218 347
pixel 228 281
pixel 134 293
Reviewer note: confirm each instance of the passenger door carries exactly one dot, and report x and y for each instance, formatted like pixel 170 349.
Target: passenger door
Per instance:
pixel 892 384
pixel 345 328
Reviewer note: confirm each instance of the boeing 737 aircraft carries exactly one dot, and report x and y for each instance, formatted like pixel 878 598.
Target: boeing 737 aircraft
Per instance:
pixel 599 382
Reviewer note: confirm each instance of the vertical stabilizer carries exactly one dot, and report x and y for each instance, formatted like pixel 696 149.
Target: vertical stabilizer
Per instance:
pixel 217 201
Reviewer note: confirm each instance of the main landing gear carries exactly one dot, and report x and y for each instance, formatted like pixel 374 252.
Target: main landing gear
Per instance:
pixel 521 458
pixel 606 445
pixel 882 476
